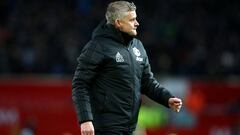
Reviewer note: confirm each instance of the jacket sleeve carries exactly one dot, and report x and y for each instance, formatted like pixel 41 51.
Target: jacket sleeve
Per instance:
pixel 87 68
pixel 152 88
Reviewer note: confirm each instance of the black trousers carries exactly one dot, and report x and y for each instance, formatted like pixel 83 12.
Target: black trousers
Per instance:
pixel 113 133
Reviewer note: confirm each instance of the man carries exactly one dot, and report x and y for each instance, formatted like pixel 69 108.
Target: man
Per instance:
pixel 113 70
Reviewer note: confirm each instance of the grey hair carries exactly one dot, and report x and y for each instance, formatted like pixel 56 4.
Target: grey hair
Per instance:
pixel 118 10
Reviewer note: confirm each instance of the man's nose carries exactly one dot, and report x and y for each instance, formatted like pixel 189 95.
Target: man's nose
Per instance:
pixel 136 23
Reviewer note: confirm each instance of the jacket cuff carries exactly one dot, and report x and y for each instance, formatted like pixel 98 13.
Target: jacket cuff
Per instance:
pixel 84 116
pixel 166 99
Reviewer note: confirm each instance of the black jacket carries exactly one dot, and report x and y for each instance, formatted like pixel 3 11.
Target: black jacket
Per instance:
pixel 112 72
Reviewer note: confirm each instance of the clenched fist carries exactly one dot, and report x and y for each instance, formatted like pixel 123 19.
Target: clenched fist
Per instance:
pixel 175 104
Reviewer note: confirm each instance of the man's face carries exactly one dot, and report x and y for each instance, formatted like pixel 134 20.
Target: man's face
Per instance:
pixel 129 23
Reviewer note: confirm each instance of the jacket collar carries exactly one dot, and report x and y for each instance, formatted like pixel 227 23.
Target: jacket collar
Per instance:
pixel 109 31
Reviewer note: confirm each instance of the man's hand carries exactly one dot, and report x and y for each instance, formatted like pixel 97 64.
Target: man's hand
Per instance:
pixel 175 104
pixel 87 128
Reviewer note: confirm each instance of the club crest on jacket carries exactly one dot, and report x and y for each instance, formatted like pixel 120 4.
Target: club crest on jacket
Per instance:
pixel 137 53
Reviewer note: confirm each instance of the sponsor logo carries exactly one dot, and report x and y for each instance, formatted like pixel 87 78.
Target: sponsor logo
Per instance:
pixel 119 57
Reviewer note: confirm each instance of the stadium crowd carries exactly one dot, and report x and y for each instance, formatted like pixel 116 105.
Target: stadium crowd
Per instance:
pixel 193 38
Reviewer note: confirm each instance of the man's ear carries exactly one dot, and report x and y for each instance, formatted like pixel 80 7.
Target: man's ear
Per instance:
pixel 117 23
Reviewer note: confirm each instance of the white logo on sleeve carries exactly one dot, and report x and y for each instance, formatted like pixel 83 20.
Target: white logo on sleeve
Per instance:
pixel 119 57
pixel 137 53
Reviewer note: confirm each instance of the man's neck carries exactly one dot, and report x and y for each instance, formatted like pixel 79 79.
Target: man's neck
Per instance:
pixel 126 37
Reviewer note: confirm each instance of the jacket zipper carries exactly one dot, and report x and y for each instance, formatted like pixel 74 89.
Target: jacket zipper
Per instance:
pixel 132 67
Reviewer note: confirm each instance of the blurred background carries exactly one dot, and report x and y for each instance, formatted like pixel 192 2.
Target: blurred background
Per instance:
pixel 193 47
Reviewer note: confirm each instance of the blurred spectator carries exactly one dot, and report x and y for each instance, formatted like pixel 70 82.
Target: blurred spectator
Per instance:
pixel 195 101
pixel 29 128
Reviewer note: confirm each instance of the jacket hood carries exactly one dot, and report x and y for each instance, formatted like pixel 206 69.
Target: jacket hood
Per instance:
pixel 109 31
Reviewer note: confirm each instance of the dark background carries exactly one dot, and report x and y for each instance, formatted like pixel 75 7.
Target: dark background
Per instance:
pixel 190 38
